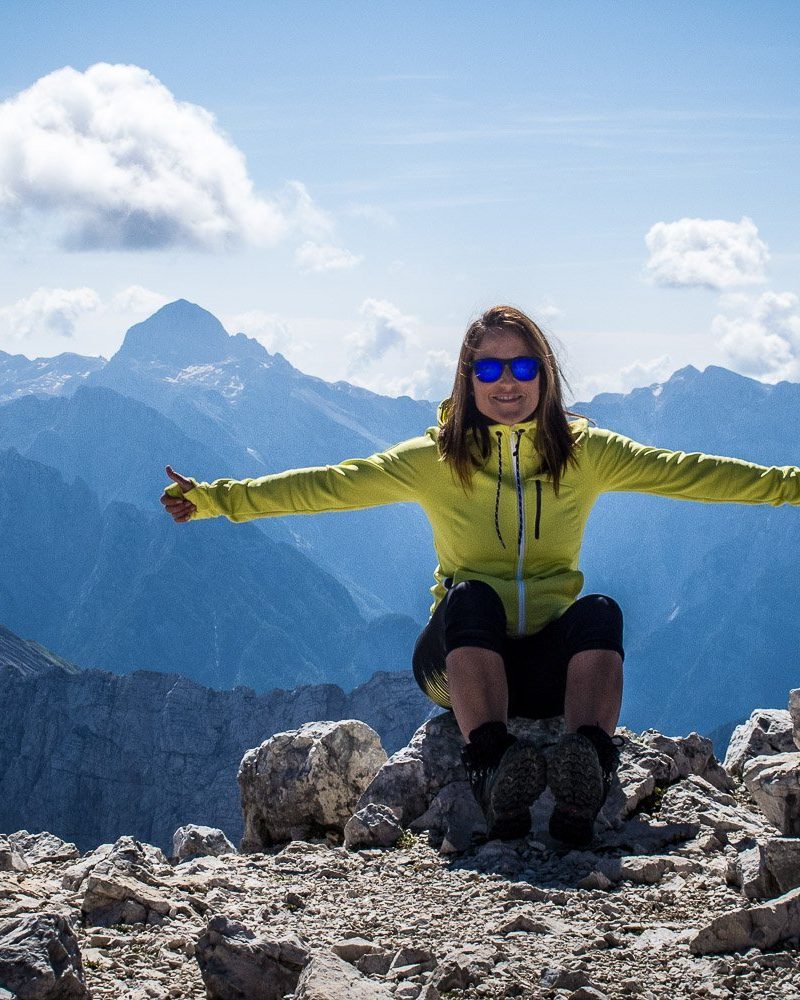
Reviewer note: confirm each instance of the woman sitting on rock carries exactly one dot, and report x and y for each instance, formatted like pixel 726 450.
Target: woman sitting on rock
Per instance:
pixel 507 482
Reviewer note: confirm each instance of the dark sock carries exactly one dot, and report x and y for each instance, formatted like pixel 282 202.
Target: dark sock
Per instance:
pixel 489 742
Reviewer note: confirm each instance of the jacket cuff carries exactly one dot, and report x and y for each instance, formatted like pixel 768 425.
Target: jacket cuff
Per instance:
pixel 197 496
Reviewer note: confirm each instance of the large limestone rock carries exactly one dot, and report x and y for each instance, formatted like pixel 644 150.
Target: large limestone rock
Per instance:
pixel 774 783
pixel 794 712
pixel 127 857
pixel 425 785
pixel 306 782
pixel 754 927
pixel 40 958
pixel 695 800
pixel 692 754
pixel 767 869
pixel 42 847
pixel 767 731
pixel 236 963
pixel 328 977
pixel 192 841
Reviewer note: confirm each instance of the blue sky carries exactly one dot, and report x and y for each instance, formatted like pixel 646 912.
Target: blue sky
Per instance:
pixel 352 183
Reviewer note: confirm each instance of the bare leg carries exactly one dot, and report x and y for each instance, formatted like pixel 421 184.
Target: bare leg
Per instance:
pixel 594 690
pixel 476 680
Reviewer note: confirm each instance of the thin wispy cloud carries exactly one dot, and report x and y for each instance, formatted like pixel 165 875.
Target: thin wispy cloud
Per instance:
pixel 707 253
pixel 319 257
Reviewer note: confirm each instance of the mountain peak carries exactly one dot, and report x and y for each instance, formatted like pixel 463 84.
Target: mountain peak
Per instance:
pixel 180 333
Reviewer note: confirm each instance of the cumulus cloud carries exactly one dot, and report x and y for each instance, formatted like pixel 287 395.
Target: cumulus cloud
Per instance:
pixel 311 256
pixel 138 300
pixel 268 328
pixel 760 335
pixel 382 328
pixel 48 311
pixel 708 253
pixel 116 162
pixel 37 322
pixel 634 376
pixel 434 380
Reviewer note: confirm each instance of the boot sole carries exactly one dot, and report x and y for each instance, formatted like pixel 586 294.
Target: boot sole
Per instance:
pixel 576 781
pixel 521 779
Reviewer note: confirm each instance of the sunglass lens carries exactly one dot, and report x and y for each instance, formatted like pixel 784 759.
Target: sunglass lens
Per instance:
pixel 525 369
pixel 488 369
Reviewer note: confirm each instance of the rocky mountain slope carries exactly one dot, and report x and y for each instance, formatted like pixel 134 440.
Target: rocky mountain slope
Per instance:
pixel 383 888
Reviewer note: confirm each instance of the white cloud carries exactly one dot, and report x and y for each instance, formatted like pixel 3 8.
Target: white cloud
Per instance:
pixel 137 300
pixel 324 257
pixel 115 162
pixel 47 311
pixel 634 376
pixel 760 335
pixel 710 253
pixel 434 380
pixel 548 312
pixel 268 328
pixel 42 319
pixel 382 328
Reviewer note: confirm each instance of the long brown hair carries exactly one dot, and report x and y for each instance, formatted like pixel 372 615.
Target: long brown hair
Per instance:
pixel 465 426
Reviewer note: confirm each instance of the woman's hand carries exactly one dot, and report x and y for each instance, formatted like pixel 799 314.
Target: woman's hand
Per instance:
pixel 179 507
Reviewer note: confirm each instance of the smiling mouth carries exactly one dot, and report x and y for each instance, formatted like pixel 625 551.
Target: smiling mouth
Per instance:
pixel 506 399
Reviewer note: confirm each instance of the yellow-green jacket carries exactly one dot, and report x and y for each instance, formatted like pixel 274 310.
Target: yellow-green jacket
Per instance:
pixel 511 530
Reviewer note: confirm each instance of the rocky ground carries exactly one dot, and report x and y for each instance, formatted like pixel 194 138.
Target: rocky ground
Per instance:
pixel 689 891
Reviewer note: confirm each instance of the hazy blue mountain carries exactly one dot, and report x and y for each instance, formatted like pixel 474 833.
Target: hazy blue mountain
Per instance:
pixel 20 375
pixel 113 586
pixel 707 589
pixel 238 399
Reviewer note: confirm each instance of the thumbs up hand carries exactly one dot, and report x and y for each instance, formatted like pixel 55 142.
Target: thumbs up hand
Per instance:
pixel 180 508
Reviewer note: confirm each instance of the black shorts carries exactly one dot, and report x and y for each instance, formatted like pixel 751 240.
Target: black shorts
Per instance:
pixel 472 614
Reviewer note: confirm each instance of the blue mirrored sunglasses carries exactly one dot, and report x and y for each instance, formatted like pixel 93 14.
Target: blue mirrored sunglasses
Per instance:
pixel 523 369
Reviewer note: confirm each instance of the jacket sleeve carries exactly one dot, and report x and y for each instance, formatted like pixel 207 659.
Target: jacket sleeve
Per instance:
pixel 383 478
pixel 617 463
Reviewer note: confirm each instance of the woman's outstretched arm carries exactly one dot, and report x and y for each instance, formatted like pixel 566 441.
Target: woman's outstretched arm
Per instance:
pixel 616 462
pixel 392 476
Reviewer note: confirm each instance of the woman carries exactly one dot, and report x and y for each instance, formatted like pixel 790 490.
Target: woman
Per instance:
pixel 507 482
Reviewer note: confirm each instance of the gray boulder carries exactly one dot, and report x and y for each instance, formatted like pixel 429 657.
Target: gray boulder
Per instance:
pixel 328 977
pixel 192 841
pixel 794 712
pixel 767 869
pixel 753 927
pixel 767 731
pixel 42 847
pixel 373 826
pixel 40 958
pixel 774 783
pixel 425 784
pixel 235 963
pixel 306 782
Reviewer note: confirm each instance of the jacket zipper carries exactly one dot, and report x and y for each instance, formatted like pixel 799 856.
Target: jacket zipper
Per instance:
pixel 538 506
pixel 521 544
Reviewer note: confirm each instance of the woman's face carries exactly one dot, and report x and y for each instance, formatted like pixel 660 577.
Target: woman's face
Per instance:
pixel 505 401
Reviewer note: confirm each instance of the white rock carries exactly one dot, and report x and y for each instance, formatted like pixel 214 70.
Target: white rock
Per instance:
pixel 306 782
pixel 774 783
pixel 767 731
pixel 755 927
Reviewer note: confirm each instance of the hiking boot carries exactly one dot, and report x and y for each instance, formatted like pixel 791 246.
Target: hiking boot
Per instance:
pixel 506 790
pixel 580 770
